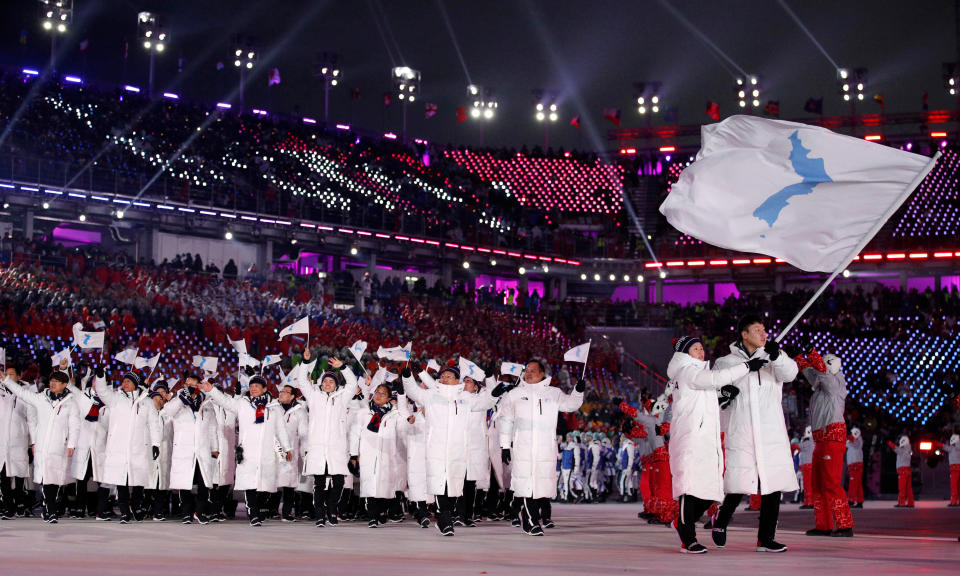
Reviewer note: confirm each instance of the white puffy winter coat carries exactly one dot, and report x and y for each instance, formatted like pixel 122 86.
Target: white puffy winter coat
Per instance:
pixel 326 442
pixel 227 439
pixel 14 435
pixel 160 473
pixel 696 458
pixel 448 409
pixel 478 450
pixel 57 431
pixel 381 466
pixel 258 471
pixel 528 425
pixel 501 471
pixel 132 432
pixel 416 450
pixel 295 421
pixel 92 443
pixel 758 457
pixel 195 439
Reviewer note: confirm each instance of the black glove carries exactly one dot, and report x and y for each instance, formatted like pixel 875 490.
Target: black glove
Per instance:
pixel 353 466
pixel 397 386
pixel 727 395
pixel 99 372
pixel 156 452
pixel 501 389
pixel 656 428
pixel 505 455
pixel 772 348
pixel 239 454
pixel 581 385
pixel 406 373
pixel 755 364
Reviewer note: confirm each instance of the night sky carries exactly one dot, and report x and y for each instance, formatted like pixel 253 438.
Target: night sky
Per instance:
pixel 589 53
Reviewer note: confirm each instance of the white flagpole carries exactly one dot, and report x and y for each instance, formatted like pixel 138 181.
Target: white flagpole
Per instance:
pixel 863 242
pixel 585 360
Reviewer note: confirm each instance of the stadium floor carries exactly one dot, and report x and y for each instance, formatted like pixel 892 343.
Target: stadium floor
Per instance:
pixel 589 539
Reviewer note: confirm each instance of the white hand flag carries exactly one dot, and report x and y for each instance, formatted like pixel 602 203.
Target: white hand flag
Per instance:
pixel 469 369
pixel 151 363
pixel 86 340
pixel 433 365
pixel 248 360
pixel 792 191
pixel 511 369
pixel 397 353
pixel 577 353
pixel 357 349
pixel 206 363
pixel 128 356
pixel 55 359
pixel 270 360
pixel 240 346
pixel 301 326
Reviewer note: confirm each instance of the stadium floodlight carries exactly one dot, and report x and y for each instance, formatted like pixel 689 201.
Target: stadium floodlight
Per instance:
pixel 406 87
pixel 245 58
pixel 155 39
pixel 228 235
pixel 951 81
pixel 483 102
pixel 649 100
pixel 327 68
pixel 522 270
pixel 747 90
pixel 547 111
pixel 56 18
pixel 466 265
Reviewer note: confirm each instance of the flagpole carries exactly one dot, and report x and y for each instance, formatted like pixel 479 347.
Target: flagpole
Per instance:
pixel 863 242
pixel 585 360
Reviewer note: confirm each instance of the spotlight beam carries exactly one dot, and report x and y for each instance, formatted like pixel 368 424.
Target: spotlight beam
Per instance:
pixel 808 33
pixel 703 38
pixel 453 40
pixel 386 35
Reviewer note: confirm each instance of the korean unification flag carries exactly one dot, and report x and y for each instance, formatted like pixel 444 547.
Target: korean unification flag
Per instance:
pixel 86 340
pixel 301 326
pixel 792 191
pixel 248 360
pixel 357 349
pixel 150 363
pixel 468 368
pixel 240 346
pixel 577 353
pixel 433 365
pixel 290 379
pixel 206 363
pixel 128 356
pixel 55 359
pixel 397 353
pixel 511 369
pixel 270 360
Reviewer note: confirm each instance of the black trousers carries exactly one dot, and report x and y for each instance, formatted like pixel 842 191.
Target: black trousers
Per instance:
pixel 769 514
pixel 326 501
pixel 83 501
pixel 222 502
pixel 419 510
pixel 160 505
pixel 446 505
pixel 51 497
pixel 198 503
pixel 129 497
pixel 253 500
pixel 691 509
pixel 538 509
pixel 377 508
pixel 465 505
pixel 10 490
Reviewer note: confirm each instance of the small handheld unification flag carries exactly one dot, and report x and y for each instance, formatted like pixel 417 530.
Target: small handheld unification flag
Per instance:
pixel 290 378
pixel 248 360
pixel 788 190
pixel 577 353
pixel 433 365
pixel 471 370
pixel 357 349
pixel 397 353
pixel 390 376
pixel 270 360
pixel 55 359
pixel 511 369
pixel 128 356
pixel 301 326
pixel 240 346
pixel 206 363
pixel 87 340
pixel 150 363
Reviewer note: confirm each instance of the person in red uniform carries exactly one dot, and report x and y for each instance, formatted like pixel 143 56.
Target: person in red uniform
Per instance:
pixel 830 505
